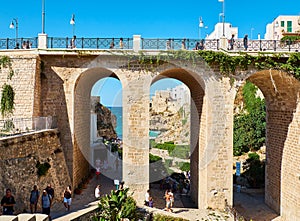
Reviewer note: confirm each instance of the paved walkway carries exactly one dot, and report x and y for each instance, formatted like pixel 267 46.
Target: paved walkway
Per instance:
pixel 250 205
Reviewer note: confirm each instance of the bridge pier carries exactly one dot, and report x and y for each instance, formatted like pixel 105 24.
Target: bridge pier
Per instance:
pixel 136 133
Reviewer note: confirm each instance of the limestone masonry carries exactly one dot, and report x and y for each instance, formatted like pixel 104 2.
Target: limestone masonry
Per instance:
pixel 58 83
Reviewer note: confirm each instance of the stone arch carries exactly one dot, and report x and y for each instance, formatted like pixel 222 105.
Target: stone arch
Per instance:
pixel 281 92
pixel 209 187
pixel 81 126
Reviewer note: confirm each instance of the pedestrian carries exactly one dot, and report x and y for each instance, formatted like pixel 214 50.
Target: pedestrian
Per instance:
pixel 171 198
pixel 73 42
pixel 231 42
pixel 8 202
pixel 168 44
pixel 24 45
pixel 245 41
pixel 50 191
pixel 67 198
pixel 168 202
pixel 183 44
pixel 151 202
pixel 147 196
pixel 27 44
pixel 46 203
pixel 97 192
pixel 34 197
pixel 17 46
pixel 112 44
pixel 121 186
pixel 196 46
pixel 121 44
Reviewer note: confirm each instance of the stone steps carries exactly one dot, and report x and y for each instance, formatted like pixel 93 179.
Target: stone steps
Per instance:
pixel 25 217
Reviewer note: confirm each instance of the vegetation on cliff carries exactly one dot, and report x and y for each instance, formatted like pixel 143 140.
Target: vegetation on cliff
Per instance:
pixel 250 123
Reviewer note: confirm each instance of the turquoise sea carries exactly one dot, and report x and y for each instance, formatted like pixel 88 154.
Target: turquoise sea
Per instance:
pixel 117 111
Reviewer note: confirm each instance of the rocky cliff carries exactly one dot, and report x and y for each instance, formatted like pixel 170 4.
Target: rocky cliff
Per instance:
pixel 174 126
pixel 106 122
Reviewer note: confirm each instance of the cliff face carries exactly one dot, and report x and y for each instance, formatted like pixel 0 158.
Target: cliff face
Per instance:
pixel 106 122
pixel 173 126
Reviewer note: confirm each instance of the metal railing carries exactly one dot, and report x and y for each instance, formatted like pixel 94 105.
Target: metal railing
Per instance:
pixel 90 43
pixel 151 44
pixel 23 43
pixel 177 44
pixel 16 126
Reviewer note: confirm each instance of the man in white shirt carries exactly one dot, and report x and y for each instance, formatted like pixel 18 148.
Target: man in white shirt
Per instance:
pixel 147 195
pixel 97 192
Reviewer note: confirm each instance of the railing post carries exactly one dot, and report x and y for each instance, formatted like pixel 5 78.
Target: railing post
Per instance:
pixel 97 44
pixel 260 45
pixel 274 45
pixel 136 43
pixel 290 42
pixel 7 41
pixel 67 41
pixel 42 41
pixel 223 43
pixel 82 40
pixel 218 42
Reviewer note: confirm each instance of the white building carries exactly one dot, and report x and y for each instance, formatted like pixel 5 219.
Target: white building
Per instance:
pixel 228 31
pixel 282 24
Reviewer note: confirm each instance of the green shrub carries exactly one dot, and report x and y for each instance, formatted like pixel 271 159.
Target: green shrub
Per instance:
pixel 154 158
pixel 169 146
pixel 168 162
pixel 116 206
pixel 181 151
pixel 159 217
pixel 42 168
pixel 185 167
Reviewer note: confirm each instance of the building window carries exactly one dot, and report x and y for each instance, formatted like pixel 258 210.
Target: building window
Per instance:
pixel 289 26
pixel 282 24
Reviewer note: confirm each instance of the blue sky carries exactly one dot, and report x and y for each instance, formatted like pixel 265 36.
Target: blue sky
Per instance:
pixel 110 90
pixel 151 19
pixel 159 19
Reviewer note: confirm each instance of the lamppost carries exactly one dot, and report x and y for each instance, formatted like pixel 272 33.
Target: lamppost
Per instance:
pixel 72 22
pixel 201 25
pixel 251 33
pixel 12 26
pixel 43 16
pixel 223 15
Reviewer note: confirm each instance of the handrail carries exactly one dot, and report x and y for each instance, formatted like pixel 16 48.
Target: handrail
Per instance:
pixel 15 126
pixel 149 44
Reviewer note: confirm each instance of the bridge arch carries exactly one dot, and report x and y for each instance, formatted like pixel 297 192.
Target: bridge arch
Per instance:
pixel 282 95
pixel 82 123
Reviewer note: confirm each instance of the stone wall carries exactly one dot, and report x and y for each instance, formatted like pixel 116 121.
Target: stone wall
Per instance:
pixel 18 158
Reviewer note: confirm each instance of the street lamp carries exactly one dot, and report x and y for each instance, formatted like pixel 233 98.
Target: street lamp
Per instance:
pixel 12 26
pixel 223 15
pixel 251 33
pixel 72 22
pixel 43 16
pixel 201 25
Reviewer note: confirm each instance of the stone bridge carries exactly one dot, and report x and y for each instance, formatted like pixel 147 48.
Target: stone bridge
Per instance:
pixel 59 82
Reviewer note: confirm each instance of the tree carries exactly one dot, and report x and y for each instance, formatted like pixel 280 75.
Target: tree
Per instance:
pixel 250 124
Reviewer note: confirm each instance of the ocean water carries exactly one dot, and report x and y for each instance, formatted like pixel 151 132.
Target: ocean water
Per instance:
pixel 117 111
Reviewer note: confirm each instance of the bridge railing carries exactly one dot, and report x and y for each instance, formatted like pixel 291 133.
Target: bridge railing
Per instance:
pixel 24 43
pixel 151 44
pixel 16 126
pixel 177 44
pixel 90 43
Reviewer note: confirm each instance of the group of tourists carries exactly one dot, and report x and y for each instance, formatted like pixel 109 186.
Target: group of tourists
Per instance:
pixel 47 197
